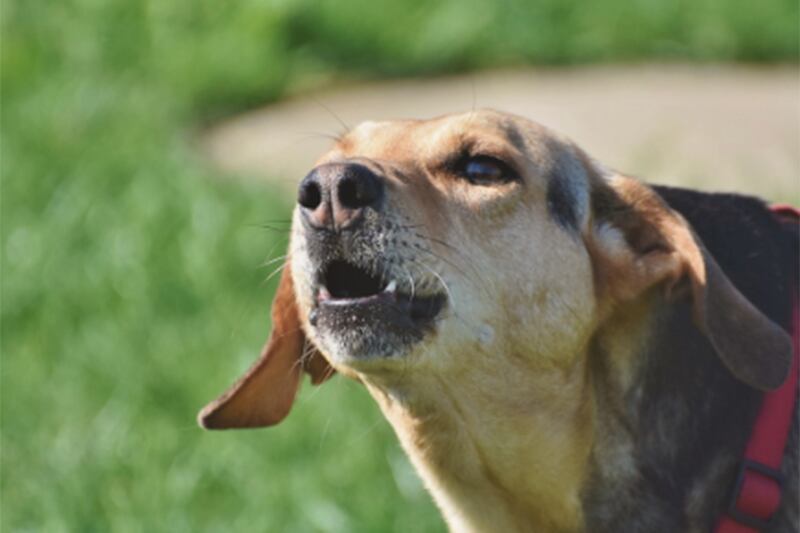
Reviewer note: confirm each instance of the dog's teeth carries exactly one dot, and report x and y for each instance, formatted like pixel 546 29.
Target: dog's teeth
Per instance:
pixel 324 294
pixel 391 287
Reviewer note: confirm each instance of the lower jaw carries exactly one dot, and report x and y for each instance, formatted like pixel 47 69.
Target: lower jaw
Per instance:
pixel 365 355
pixel 365 341
pixel 367 333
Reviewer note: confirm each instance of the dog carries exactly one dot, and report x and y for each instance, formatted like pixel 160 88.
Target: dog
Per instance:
pixel 559 347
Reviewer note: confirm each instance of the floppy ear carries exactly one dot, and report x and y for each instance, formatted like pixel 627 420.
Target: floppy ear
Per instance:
pixel 638 242
pixel 264 395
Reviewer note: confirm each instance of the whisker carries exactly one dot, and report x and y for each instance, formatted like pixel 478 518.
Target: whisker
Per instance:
pixel 273 260
pixel 482 286
pixel 444 259
pixel 449 294
pixel 441 280
pixel 270 227
pixel 384 270
pixel 324 432
pixel 271 257
pixel 322 134
pixel 308 350
pixel 449 246
pixel 273 274
pixel 366 432
pixel 410 279
pixel 472 113
pixel 345 127
pixel 474 94
pixel 282 231
pixel 298 363
pixel 329 372
pixel 438 241
pixel 457 268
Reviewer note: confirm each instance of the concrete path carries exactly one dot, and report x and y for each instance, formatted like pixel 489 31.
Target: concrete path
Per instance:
pixel 716 128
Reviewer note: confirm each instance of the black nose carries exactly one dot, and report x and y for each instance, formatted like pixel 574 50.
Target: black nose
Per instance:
pixel 334 196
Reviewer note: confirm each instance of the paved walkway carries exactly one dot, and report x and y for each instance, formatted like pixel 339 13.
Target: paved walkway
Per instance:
pixel 716 128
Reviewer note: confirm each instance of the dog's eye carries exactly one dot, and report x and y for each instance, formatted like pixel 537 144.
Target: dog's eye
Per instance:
pixel 486 170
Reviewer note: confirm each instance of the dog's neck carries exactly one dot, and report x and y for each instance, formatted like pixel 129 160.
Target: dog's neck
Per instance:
pixel 508 455
pixel 543 449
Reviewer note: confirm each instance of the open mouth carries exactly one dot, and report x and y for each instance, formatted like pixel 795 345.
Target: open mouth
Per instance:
pixel 346 285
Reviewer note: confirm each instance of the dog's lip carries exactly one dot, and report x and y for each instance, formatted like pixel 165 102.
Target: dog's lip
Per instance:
pixel 345 288
pixel 389 293
pixel 417 307
pixel 346 280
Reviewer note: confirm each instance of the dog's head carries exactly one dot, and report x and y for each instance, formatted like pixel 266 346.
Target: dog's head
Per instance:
pixel 479 240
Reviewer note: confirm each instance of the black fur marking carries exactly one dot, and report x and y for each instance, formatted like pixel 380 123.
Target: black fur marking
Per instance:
pixel 561 203
pixel 514 136
pixel 688 417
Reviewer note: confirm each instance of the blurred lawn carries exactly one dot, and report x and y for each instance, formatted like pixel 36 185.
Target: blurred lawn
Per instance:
pixel 131 291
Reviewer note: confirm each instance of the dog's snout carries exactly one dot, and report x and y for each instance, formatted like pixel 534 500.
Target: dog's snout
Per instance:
pixel 334 196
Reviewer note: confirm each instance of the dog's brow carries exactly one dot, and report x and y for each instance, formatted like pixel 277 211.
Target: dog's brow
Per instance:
pixel 514 136
pixel 567 199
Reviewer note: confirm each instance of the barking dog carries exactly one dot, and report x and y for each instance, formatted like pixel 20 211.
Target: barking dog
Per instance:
pixel 557 346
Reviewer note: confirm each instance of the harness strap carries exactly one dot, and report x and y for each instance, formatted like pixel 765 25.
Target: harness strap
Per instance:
pixel 756 494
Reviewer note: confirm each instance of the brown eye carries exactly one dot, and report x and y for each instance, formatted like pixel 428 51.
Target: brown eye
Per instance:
pixel 486 170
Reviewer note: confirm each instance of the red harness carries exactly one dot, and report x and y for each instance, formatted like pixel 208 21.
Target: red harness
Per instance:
pixel 757 493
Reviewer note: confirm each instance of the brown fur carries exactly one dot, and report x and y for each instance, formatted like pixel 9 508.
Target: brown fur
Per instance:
pixel 523 409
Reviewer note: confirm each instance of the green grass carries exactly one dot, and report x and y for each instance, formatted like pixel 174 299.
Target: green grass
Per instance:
pixel 131 291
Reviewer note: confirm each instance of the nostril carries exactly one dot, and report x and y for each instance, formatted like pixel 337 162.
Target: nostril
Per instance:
pixel 348 192
pixel 309 195
pixel 358 189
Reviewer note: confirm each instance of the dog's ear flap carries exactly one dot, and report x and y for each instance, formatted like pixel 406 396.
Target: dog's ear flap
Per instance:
pixel 638 242
pixel 264 395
